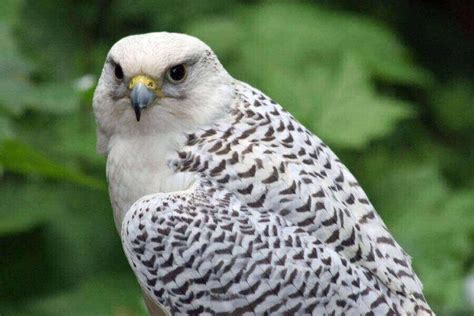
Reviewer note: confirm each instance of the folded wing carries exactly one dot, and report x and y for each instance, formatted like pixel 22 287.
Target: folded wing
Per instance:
pixel 202 250
pixel 273 164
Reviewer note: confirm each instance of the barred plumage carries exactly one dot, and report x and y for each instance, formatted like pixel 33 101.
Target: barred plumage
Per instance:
pixel 203 251
pixel 273 222
pixel 299 203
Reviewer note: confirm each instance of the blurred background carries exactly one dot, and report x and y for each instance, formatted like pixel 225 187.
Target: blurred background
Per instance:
pixel 389 85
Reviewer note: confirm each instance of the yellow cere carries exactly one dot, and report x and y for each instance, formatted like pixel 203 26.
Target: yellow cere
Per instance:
pixel 148 82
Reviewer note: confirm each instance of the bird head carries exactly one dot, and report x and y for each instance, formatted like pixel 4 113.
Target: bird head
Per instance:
pixel 159 83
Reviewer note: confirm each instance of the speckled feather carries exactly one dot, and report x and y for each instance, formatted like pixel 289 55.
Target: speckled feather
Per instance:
pixel 275 224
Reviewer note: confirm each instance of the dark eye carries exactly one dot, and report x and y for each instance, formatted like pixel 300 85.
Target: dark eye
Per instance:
pixel 118 72
pixel 177 73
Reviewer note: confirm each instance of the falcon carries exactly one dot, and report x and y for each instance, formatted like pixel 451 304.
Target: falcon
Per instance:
pixel 226 204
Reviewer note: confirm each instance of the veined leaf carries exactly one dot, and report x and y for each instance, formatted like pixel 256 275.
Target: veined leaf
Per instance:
pixel 322 68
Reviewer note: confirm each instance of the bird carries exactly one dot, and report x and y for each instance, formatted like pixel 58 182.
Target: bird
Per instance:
pixel 226 204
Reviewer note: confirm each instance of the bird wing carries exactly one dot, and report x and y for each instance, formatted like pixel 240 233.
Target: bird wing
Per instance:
pixel 203 251
pixel 272 163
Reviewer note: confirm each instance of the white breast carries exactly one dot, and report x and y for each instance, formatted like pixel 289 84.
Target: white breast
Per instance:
pixel 137 166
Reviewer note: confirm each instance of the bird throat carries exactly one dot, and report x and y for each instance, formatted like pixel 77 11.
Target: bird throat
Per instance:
pixel 138 166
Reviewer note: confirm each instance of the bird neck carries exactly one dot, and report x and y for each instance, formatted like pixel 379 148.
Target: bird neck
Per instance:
pixel 137 159
pixel 138 166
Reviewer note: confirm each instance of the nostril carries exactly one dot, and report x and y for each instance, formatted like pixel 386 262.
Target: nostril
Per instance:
pixel 141 97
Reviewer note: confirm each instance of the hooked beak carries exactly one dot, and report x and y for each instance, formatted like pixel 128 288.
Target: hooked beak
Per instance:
pixel 143 92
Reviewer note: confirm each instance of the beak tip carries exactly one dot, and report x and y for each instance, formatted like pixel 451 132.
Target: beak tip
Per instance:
pixel 141 97
pixel 138 113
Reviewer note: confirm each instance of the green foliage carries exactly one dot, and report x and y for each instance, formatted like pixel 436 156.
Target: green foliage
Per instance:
pixel 434 226
pixel 407 135
pixel 104 295
pixel 324 70
pixel 453 106
pixel 35 203
pixel 19 158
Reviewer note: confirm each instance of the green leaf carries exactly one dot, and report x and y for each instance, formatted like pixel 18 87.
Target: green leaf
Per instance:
pixel 20 158
pixel 112 294
pixel 77 137
pixel 14 95
pixel 56 50
pixel 444 261
pixel 9 10
pixel 453 105
pixel 14 85
pixel 429 220
pixel 74 238
pixel 322 68
pixel 17 93
pixel 348 102
pixel 6 129
pixel 83 238
pixel 54 98
pixel 26 204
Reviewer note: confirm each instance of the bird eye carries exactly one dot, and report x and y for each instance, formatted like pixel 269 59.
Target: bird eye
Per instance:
pixel 177 73
pixel 118 72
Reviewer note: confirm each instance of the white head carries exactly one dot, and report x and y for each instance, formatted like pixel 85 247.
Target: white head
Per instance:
pixel 158 83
